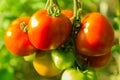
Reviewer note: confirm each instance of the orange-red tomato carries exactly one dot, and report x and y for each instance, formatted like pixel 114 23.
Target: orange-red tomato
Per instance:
pixel 96 35
pixel 16 40
pixel 67 13
pixel 47 32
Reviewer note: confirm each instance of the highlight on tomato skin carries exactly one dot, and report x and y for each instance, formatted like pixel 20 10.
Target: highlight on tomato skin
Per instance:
pixel 47 32
pixel 63 59
pixel 73 74
pixel 96 35
pixel 17 41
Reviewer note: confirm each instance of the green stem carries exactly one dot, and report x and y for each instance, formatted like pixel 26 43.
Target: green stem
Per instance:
pixel 76 17
pixel 77 9
pixel 118 7
pixel 54 9
pixel 47 4
pixel 82 63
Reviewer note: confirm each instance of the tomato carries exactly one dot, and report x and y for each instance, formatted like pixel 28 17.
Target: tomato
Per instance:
pixel 47 32
pixel 44 65
pixel 16 40
pixel 63 59
pixel 99 61
pixel 90 73
pixel 96 35
pixel 30 57
pixel 67 13
pixel 73 74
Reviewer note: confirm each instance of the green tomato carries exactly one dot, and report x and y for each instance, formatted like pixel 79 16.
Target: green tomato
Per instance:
pixel 63 59
pixel 73 74
pixel 29 58
pixel 90 73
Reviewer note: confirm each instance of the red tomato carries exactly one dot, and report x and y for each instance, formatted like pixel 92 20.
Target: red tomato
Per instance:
pixel 47 32
pixel 16 40
pixel 67 13
pixel 96 36
pixel 98 61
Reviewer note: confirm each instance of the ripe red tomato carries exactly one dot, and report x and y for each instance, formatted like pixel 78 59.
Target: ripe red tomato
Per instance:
pixel 98 61
pixel 67 13
pixel 16 40
pixel 96 36
pixel 47 32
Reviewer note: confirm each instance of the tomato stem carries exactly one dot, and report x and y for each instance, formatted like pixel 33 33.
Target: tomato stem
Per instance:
pixel 82 63
pixel 77 9
pixel 54 9
pixel 47 4
pixel 76 17
pixel 118 7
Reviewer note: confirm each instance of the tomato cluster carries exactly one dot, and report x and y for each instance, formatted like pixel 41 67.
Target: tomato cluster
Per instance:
pixel 53 46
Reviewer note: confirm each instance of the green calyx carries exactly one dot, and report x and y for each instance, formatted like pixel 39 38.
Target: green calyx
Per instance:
pixel 53 8
pixel 23 27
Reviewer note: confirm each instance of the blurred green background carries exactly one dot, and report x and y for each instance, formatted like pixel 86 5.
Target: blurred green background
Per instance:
pixel 16 68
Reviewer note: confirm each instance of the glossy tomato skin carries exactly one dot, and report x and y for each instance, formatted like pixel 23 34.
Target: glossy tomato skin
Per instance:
pixel 16 40
pixel 44 65
pixel 63 59
pixel 96 36
pixel 47 32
